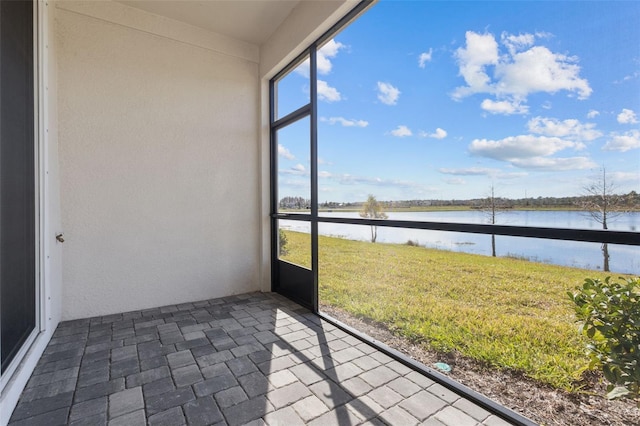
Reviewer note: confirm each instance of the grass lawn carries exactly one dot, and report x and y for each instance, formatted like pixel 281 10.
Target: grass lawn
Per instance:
pixel 506 312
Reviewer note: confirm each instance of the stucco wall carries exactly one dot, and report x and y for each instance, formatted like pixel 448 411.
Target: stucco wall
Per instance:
pixel 159 162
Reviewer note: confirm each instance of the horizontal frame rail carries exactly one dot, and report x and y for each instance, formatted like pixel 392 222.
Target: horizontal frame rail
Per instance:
pixel 565 234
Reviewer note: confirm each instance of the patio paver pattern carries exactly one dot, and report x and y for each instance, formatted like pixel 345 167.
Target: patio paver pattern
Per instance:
pixel 254 359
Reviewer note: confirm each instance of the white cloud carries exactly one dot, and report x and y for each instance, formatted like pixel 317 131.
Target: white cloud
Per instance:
pixel 328 93
pixel 324 174
pixel 504 107
pixel 511 175
pixel 284 152
pixel 631 76
pixel 455 181
pixel 329 50
pixel 517 147
pixel 511 77
pixel 625 177
pixel 424 58
pixel 469 171
pixel 627 116
pixel 624 142
pixel 387 93
pixel 323 59
pixel 540 70
pixel 481 50
pixel 482 171
pixel 414 187
pixel 438 134
pixel 345 122
pixel 555 164
pixel 297 170
pixel 517 43
pixel 572 129
pixel 532 152
pixel 401 132
pixel 593 113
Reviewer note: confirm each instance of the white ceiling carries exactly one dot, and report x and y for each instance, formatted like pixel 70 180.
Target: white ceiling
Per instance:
pixel 252 21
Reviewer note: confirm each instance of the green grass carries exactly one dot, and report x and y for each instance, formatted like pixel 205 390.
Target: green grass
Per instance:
pixel 508 313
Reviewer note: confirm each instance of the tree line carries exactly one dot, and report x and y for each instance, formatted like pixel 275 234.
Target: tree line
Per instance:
pixel 630 200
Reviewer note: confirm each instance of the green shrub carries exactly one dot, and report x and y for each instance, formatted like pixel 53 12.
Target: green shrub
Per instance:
pixel 610 312
pixel 282 243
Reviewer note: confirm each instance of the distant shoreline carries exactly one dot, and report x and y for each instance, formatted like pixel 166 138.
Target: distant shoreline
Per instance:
pixel 447 208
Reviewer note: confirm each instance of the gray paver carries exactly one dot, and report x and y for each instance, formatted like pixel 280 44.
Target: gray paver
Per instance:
pixel 288 394
pixel 241 366
pixel 339 416
pixel 310 407
pixel 202 411
pixel 167 400
pixel 250 359
pixel 471 409
pixel 422 405
pixel 365 408
pixel 254 384
pixel 396 415
pixel 125 402
pixel 54 376
pixel 404 386
pixel 231 396
pixel 56 417
pixel 247 411
pixel 343 372
pixel 494 420
pixel 98 390
pixel 88 408
pixel 188 375
pixel 158 387
pixel 330 393
pixel 214 385
pixel 180 359
pixel 385 396
pixel 307 373
pixel 282 378
pixel 171 417
pixel 29 409
pixel 452 416
pixel 284 417
pixel 443 393
pixel 356 386
pixel 419 379
pixel 99 419
pixel 48 390
pixel 379 376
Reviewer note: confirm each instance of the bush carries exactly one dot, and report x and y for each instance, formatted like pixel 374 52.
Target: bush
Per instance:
pixel 610 312
pixel 282 243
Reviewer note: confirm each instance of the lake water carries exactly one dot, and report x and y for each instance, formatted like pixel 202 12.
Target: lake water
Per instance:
pixel 622 259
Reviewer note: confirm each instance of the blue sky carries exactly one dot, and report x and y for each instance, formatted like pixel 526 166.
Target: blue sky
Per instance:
pixel 442 100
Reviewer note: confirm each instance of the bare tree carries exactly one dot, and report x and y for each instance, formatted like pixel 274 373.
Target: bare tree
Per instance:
pixel 601 204
pixel 372 209
pixel 492 207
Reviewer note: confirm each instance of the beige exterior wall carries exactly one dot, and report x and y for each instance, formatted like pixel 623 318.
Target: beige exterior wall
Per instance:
pixel 159 163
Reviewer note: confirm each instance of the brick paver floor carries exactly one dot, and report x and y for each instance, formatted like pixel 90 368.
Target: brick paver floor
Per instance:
pixel 249 359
